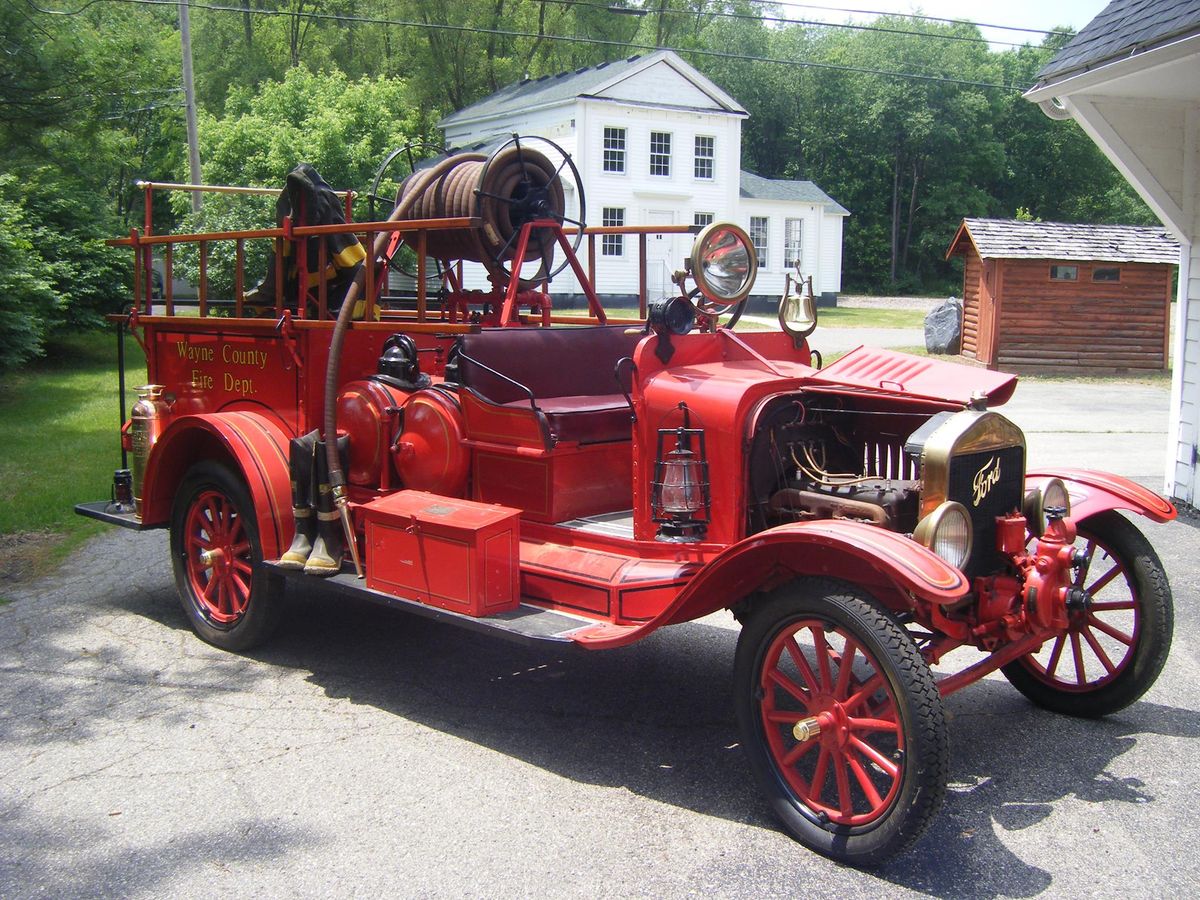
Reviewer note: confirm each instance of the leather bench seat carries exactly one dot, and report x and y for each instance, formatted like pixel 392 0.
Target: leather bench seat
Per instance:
pixel 584 419
pixel 570 372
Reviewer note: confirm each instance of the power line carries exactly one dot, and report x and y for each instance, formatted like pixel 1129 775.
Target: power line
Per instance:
pixel 783 20
pixel 569 39
pixel 918 16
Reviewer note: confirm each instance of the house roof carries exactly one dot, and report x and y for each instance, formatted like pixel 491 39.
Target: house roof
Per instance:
pixel 1122 29
pixel 755 187
pixel 585 82
pixel 1013 239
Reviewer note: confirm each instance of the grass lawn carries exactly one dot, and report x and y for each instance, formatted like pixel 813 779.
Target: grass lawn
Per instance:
pixel 59 417
pixel 846 317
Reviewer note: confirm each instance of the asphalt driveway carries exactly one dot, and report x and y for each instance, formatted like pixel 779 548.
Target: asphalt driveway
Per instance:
pixel 366 752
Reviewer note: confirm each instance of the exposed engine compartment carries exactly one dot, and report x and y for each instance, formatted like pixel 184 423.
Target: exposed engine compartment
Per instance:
pixel 823 456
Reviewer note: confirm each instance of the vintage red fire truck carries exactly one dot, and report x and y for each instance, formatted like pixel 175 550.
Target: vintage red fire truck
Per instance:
pixel 570 478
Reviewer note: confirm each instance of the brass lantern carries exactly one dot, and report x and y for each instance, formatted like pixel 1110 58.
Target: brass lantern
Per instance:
pixel 680 491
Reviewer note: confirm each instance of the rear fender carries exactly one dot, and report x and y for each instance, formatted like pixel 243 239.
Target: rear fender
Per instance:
pixel 887 564
pixel 252 445
pixel 1094 492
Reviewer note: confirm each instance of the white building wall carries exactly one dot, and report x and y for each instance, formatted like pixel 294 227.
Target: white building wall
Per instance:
pixel 1185 419
pixel 821 244
pixel 578 127
pixel 654 199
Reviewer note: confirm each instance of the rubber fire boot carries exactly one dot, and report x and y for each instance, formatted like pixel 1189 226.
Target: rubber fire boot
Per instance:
pixel 303 451
pixel 326 556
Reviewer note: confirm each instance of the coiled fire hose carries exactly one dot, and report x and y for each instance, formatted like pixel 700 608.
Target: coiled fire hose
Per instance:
pixel 514 186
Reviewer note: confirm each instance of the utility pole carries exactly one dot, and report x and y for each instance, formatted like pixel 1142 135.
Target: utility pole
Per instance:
pixel 189 96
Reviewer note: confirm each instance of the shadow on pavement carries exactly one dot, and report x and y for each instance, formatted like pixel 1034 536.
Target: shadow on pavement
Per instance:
pixel 656 718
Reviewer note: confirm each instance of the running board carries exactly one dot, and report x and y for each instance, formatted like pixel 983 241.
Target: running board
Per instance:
pixel 527 624
pixel 98 509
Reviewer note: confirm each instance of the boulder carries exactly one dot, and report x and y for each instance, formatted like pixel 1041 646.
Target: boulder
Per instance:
pixel 943 327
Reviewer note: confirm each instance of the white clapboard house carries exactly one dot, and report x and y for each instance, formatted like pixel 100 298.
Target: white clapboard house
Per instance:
pixel 657 143
pixel 1131 78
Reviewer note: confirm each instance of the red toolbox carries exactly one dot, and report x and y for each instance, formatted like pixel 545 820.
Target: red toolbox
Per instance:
pixel 454 554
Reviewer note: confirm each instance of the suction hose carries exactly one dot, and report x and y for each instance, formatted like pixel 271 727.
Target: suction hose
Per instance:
pixel 337 479
pixel 508 189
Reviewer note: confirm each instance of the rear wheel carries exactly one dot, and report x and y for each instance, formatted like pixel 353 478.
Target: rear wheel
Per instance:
pixel 217 558
pixel 842 721
pixel 1114 650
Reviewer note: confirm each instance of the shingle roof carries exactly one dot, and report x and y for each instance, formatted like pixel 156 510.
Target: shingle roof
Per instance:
pixel 755 187
pixel 1012 239
pixel 1123 28
pixel 549 89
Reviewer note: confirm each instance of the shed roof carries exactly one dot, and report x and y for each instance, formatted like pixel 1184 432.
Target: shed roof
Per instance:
pixel 583 82
pixel 1122 29
pixel 1014 239
pixel 755 187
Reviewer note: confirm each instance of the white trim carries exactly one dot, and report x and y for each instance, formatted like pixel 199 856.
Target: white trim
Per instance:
pixel 1110 71
pixel 1178 354
pixel 683 68
pixel 1127 162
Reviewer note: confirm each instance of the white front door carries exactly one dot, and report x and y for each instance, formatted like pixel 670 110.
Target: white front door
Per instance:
pixel 661 256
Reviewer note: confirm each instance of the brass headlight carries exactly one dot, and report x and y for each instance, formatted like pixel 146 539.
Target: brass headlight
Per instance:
pixel 724 263
pixel 947 532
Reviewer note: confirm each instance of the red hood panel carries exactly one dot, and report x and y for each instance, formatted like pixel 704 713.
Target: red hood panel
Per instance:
pixel 915 376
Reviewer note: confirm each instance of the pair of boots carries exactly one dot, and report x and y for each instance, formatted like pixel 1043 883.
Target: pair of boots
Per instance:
pixel 319 544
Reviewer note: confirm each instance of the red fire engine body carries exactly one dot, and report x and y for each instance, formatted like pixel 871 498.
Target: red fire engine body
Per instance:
pixel 591 483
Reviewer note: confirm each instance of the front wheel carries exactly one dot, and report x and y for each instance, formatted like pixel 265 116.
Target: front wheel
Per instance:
pixel 1114 650
pixel 841 720
pixel 217 558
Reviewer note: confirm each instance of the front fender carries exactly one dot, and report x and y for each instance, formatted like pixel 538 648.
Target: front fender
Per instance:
pixel 1094 492
pixel 888 564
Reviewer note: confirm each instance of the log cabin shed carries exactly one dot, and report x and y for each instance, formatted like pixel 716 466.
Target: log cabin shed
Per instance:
pixel 1038 296
pixel 1131 79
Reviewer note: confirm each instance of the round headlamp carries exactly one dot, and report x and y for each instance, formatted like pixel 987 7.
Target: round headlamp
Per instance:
pixel 724 263
pixel 1051 495
pixel 947 532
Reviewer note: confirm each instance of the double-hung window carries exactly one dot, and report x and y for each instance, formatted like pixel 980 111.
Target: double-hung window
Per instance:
pixel 702 219
pixel 660 153
pixel 793 242
pixel 612 244
pixel 614 150
pixel 759 234
pixel 703 164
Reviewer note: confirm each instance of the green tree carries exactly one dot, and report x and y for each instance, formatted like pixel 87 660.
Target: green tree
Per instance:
pixel 27 296
pixel 343 127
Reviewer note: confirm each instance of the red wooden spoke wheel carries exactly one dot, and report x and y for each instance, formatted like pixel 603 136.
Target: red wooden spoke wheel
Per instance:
pixel 842 721
pixel 849 772
pixel 1115 648
pixel 217 556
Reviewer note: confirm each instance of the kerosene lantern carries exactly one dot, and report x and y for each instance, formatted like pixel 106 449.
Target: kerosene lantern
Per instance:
pixel 680 491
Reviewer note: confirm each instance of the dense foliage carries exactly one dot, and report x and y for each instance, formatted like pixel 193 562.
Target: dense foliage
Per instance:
pixel 90 102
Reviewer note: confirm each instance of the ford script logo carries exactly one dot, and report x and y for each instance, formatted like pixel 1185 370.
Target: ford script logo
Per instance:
pixel 986 479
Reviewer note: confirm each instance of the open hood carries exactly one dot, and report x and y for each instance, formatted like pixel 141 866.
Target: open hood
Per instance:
pixel 901 374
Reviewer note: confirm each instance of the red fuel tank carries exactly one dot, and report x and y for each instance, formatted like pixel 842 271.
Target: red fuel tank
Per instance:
pixel 430 454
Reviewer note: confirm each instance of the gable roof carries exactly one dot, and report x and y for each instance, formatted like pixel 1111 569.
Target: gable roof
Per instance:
pixel 1013 239
pixel 589 81
pixel 755 187
pixel 1122 29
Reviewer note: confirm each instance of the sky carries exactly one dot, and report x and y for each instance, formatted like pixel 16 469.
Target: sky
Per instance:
pixel 1041 14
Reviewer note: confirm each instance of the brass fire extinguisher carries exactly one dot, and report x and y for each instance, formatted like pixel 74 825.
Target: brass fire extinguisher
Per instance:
pixel 146 422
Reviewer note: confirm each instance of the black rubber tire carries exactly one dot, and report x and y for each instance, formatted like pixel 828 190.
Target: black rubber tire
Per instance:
pixel 1146 583
pixel 261 613
pixel 909 695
